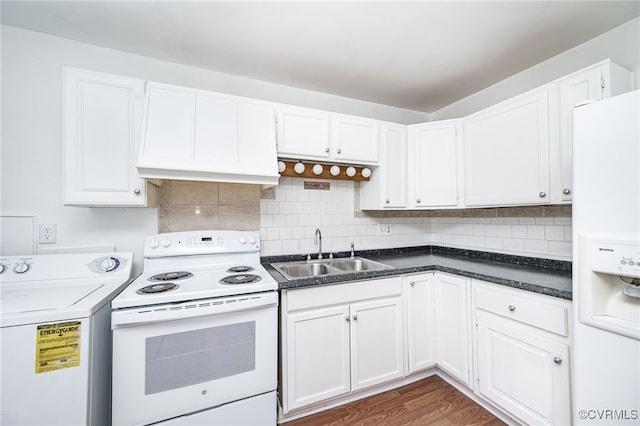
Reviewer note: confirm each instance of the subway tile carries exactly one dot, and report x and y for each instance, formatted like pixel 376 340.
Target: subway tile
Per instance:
pixel 535 232
pixel 513 244
pixel 536 246
pixel 554 232
pixel 560 248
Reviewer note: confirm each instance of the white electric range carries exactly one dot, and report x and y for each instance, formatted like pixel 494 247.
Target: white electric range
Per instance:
pixel 55 336
pixel 195 336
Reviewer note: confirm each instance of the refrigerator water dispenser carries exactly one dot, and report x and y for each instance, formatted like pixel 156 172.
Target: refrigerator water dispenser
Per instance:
pixel 609 289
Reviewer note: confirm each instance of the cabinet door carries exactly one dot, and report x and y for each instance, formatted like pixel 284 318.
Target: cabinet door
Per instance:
pixel 102 116
pixel 433 165
pixel 376 342
pixel 506 153
pixel 393 166
pixel 523 372
pixel 573 90
pixel 318 355
pixel 354 139
pixel 169 131
pixel 303 133
pixel 452 326
pixel 421 321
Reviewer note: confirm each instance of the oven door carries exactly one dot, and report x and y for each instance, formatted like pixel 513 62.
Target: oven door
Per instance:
pixel 178 359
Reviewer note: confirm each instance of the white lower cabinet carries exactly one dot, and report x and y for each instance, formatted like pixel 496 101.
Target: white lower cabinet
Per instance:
pixel 421 322
pixel 453 341
pixel 523 354
pixel 340 338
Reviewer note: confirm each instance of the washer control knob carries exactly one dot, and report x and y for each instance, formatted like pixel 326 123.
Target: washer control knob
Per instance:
pixel 166 242
pixel 154 243
pixel 243 239
pixel 109 264
pixel 21 268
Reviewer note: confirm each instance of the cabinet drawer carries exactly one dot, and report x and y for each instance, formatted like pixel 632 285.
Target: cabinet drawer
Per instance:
pixel 526 308
pixel 343 293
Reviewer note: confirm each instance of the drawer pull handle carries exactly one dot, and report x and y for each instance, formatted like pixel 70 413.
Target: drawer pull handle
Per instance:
pixel 512 308
pixel 557 360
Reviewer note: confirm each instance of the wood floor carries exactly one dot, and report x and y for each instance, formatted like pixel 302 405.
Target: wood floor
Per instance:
pixel 430 401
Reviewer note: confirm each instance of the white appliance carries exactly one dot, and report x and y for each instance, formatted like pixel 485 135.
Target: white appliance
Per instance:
pixel 195 336
pixel 606 255
pixel 55 337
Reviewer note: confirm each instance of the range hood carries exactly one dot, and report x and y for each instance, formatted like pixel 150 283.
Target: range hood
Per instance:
pixel 191 134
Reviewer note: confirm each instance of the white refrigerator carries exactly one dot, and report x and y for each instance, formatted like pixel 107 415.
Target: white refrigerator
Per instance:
pixel 606 262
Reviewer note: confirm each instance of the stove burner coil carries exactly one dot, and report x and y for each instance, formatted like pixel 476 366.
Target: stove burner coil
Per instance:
pixel 170 276
pixel 241 279
pixel 240 268
pixel 157 288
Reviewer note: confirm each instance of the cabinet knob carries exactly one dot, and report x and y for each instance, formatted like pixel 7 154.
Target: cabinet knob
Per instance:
pixel 566 191
pixel 512 308
pixel 326 150
pixel 418 201
pixel 412 284
pixel 542 194
pixel 557 360
pixel 136 191
pixel 386 201
pixel 347 318
pixel 339 151
pixel 355 317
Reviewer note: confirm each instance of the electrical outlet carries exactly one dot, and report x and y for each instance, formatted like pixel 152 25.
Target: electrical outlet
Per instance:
pixel 384 229
pixel 47 233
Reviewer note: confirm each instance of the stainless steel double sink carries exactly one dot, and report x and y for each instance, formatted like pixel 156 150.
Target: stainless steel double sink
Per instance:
pixel 316 268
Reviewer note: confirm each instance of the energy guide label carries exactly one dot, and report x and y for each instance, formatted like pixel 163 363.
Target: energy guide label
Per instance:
pixel 57 346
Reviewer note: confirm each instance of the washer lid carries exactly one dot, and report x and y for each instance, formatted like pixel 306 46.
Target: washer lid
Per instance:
pixel 36 298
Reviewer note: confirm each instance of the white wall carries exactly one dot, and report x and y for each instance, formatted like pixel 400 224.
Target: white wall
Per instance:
pixel 31 165
pixel 621 45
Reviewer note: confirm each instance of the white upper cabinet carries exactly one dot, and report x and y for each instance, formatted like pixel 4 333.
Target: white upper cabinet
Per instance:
pixel 308 134
pixel 197 135
pixel 433 164
pixel 387 187
pixel 354 139
pixel 597 82
pixel 303 133
pixel 102 116
pixel 506 152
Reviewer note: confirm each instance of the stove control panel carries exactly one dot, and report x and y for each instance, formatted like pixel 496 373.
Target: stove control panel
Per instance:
pixel 201 242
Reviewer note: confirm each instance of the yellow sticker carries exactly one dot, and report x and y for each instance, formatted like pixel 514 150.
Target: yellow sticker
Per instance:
pixel 57 346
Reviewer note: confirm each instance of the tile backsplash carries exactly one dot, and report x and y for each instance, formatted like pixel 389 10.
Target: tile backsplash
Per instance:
pixel 188 206
pixel 288 215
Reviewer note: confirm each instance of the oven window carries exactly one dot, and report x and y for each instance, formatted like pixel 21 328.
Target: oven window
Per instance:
pixel 191 357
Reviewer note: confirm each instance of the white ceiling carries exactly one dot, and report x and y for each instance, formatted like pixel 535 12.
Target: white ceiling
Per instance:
pixel 420 55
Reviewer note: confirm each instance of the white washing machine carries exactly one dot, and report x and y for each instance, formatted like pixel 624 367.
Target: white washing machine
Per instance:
pixel 55 337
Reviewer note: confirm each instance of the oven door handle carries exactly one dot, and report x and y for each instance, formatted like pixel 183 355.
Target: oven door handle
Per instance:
pixel 196 308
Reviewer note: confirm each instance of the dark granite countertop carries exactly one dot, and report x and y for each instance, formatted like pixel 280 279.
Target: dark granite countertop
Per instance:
pixel 544 276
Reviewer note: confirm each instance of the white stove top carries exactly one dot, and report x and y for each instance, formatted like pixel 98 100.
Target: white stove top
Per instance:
pixel 207 256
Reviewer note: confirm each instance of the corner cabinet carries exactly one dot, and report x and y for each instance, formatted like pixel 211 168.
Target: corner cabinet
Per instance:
pixel 335 340
pixel 309 134
pixel 433 167
pixel 102 123
pixel 506 152
pixel 523 360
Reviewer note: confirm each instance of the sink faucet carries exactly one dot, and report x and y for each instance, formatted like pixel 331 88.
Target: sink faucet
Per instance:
pixel 317 240
pixel 352 253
